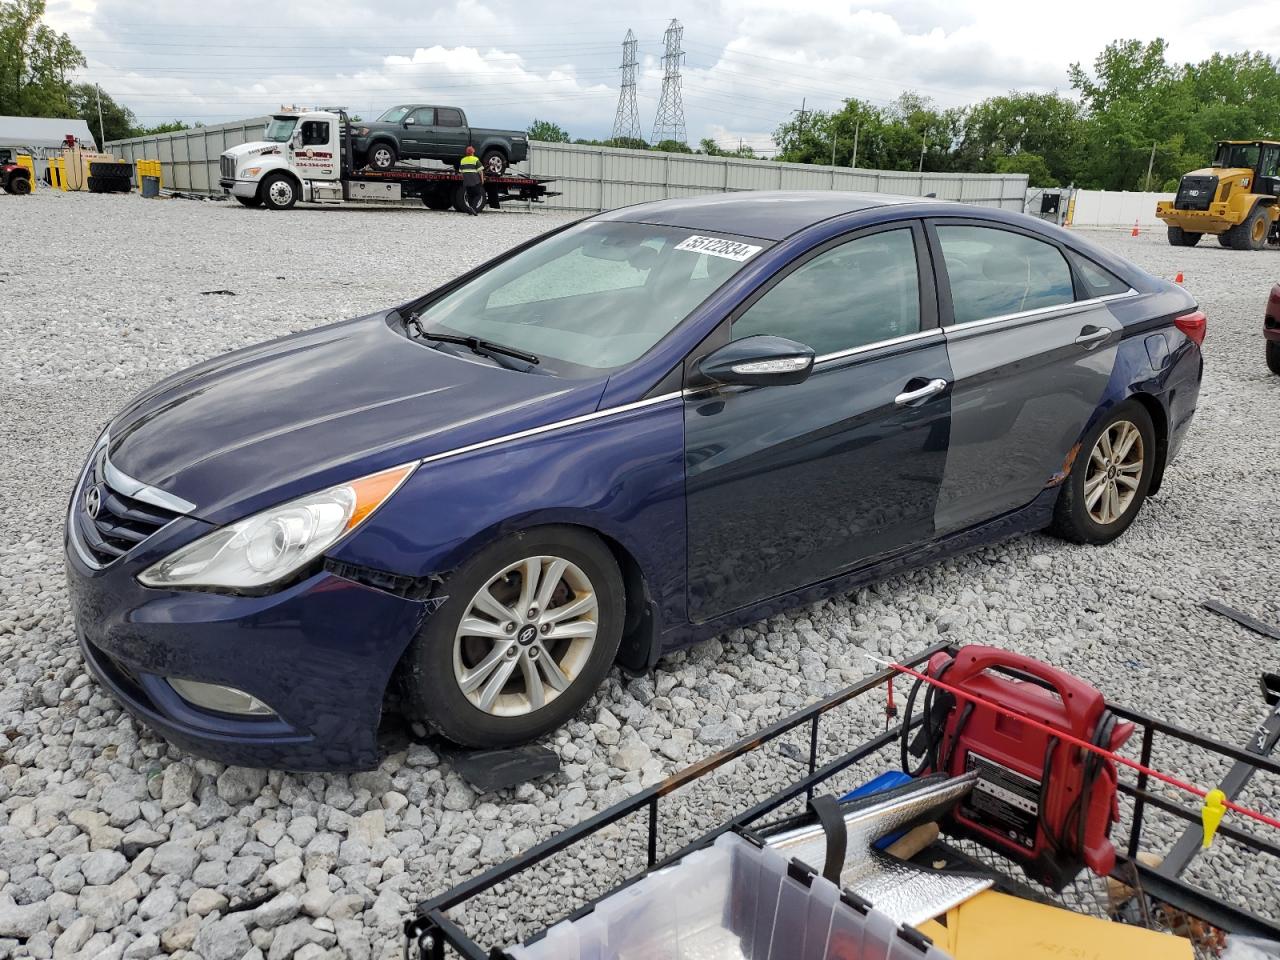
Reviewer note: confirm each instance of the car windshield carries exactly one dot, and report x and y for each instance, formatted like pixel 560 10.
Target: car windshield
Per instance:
pixel 394 115
pixel 280 129
pixel 1236 155
pixel 595 296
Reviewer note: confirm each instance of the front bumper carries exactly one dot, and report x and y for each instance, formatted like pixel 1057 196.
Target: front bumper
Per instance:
pixel 319 653
pixel 240 188
pixel 1213 220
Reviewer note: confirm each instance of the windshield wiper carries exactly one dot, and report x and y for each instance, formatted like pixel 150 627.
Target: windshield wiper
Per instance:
pixel 413 326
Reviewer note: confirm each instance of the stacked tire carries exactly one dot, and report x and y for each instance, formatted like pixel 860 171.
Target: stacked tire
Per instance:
pixel 109 177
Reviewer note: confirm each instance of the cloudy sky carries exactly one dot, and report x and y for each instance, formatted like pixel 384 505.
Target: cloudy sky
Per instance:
pixel 749 63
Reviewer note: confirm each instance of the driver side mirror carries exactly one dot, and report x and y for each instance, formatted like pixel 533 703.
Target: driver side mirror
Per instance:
pixel 759 361
pixel 409 121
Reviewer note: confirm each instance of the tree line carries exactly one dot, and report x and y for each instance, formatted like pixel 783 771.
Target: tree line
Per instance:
pixel 1135 109
pixel 35 67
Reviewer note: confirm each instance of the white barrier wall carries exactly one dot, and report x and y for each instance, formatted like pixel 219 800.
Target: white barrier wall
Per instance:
pixel 601 178
pixel 1115 208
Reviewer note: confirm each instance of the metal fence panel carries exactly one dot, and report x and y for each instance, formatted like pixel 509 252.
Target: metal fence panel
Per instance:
pixel 599 178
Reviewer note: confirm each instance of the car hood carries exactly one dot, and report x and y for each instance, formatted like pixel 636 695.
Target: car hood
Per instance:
pixel 253 428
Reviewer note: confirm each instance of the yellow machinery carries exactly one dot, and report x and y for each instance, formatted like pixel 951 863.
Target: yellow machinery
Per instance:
pixel 1237 198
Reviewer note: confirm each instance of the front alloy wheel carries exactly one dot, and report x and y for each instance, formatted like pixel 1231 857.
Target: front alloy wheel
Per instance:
pixel 530 627
pixel 526 636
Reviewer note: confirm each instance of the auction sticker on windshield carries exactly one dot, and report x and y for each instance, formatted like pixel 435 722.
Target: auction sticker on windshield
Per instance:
pixel 715 247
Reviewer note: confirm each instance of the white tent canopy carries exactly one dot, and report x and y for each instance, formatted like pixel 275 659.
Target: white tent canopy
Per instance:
pixel 40 133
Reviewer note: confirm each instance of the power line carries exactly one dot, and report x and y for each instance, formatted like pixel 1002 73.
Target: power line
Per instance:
pixel 669 123
pixel 626 122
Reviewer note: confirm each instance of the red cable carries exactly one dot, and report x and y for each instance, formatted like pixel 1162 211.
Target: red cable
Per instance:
pixel 1083 744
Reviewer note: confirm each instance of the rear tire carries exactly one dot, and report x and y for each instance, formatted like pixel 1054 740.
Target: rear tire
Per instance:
pixel 484 592
pixel 279 191
pixel 383 156
pixel 1108 484
pixel 1273 357
pixel 1224 239
pixel 437 201
pixel 1251 233
pixel 254 201
pixel 1182 238
pixel 494 162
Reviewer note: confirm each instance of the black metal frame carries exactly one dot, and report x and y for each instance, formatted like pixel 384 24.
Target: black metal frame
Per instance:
pixel 430 929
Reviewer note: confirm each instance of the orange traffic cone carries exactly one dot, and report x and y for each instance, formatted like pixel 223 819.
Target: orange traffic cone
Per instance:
pixel 1178 278
pixel 1134 231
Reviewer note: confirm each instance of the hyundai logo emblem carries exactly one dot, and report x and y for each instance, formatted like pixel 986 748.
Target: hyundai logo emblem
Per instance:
pixel 527 635
pixel 93 502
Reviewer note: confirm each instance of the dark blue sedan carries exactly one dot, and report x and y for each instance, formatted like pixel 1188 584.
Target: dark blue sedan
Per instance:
pixel 634 432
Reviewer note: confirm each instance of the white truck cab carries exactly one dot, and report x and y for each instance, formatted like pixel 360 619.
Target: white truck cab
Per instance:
pixel 299 159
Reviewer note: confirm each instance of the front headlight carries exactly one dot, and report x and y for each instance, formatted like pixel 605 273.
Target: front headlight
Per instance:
pixel 269 546
pixel 251 171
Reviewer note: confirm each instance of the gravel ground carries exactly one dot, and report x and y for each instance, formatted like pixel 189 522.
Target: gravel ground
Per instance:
pixel 114 844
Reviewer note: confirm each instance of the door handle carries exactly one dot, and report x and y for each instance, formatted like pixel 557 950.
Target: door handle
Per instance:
pixel 1091 336
pixel 932 388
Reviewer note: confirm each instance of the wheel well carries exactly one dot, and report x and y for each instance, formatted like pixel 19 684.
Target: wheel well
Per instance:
pixel 297 183
pixel 638 625
pixel 1160 422
pixel 494 148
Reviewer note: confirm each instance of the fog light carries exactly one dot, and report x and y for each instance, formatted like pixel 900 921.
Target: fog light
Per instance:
pixel 213 696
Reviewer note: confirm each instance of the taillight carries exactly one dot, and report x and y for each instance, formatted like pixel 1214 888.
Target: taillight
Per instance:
pixel 1194 325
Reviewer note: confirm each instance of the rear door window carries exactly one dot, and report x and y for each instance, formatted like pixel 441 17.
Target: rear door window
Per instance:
pixel 448 117
pixel 995 272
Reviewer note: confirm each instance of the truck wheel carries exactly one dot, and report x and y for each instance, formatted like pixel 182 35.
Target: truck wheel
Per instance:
pixel 1251 234
pixel 495 162
pixel 460 200
pixel 279 191
pixel 1273 357
pixel 1224 239
pixel 437 201
pixel 382 156
pixel 1182 238
pixel 254 201
pixel 20 186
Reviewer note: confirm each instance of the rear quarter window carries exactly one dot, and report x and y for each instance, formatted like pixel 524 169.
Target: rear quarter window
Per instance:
pixel 1098 281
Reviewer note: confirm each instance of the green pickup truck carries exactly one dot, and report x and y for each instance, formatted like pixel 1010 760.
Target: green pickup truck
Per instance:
pixel 420 131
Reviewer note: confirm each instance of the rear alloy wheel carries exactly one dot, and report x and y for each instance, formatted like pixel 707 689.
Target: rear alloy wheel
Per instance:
pixel 1273 357
pixel 1106 487
pixel 530 629
pixel 382 156
pixel 1183 238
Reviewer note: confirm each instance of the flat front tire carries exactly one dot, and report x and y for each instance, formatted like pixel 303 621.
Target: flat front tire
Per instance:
pixel 1110 478
pixel 529 631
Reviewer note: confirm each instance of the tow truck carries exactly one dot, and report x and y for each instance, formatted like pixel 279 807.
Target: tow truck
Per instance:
pixel 308 157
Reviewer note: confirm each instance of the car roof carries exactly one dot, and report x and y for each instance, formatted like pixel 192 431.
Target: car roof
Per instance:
pixel 766 214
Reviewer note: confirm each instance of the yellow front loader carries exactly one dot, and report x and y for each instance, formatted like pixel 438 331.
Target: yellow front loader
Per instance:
pixel 1237 198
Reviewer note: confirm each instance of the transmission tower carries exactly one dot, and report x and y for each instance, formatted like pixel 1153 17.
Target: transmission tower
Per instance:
pixel 626 123
pixel 669 124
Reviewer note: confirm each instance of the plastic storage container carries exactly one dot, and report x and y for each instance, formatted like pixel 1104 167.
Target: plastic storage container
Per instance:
pixel 729 901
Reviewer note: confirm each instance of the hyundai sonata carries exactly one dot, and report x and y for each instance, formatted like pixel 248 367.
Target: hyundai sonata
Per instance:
pixel 636 431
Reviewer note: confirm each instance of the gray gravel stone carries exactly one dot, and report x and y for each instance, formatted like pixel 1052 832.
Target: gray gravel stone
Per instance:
pixel 103 866
pixel 175 857
pixel 224 939
pixel 22 921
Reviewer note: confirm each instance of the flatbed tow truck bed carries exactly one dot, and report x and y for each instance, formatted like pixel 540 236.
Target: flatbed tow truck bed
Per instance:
pixel 441 189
